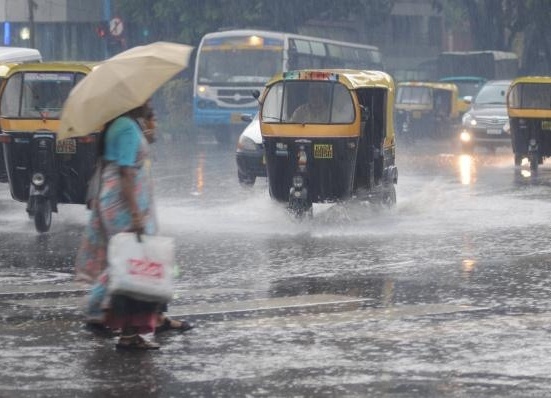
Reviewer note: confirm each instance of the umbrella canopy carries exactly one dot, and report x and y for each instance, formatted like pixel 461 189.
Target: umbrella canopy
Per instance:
pixel 119 84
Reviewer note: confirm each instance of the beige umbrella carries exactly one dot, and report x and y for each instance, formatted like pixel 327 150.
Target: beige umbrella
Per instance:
pixel 119 84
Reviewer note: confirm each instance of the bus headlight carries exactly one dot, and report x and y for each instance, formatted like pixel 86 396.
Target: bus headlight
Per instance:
pixel 465 136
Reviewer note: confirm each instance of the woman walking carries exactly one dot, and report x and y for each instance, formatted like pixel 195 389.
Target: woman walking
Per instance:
pixel 124 204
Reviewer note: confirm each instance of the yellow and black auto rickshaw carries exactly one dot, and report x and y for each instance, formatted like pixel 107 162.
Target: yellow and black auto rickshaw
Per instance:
pixel 328 136
pixel 426 109
pixel 529 110
pixel 41 171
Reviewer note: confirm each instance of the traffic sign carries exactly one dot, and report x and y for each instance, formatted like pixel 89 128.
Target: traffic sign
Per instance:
pixel 116 26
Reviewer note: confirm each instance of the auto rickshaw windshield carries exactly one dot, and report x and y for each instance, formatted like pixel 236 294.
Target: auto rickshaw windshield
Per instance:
pixel 530 96
pixel 414 95
pixel 317 102
pixel 37 94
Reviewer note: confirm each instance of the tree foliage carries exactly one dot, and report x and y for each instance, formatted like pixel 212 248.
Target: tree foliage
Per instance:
pixel 188 20
pixel 505 25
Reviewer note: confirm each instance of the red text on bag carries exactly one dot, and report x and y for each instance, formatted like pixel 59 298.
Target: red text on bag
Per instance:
pixel 145 267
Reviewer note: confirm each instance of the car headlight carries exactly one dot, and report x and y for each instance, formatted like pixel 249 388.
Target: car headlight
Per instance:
pixel 246 144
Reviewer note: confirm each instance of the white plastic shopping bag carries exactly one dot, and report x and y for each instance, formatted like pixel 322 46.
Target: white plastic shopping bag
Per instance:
pixel 141 268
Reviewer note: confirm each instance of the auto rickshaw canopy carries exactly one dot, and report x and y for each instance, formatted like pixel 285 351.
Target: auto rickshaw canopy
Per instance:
pixel 34 102
pixel 529 97
pixel 355 81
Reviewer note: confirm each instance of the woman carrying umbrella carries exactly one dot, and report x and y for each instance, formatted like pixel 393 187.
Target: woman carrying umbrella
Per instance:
pixel 124 204
pixel 115 95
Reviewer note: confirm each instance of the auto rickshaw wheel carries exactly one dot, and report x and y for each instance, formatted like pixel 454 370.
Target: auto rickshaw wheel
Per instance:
pixel 43 214
pixel 300 209
pixel 518 159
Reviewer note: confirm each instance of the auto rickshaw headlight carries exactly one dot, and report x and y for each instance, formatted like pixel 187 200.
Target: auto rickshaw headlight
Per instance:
pixel 298 182
pixel 38 179
pixel 507 128
pixel 465 136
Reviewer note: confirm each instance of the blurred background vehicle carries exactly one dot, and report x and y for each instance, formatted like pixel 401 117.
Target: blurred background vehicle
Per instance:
pixel 425 110
pixel 249 154
pixel 486 123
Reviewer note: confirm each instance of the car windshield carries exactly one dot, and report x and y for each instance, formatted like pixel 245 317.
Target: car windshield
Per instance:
pixel 492 94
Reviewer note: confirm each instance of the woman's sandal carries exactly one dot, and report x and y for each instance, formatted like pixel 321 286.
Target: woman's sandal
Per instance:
pixel 167 325
pixel 136 342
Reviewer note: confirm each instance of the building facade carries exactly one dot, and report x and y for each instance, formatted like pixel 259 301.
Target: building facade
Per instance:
pixel 60 29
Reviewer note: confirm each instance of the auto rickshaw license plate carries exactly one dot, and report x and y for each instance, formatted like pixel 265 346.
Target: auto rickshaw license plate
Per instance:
pixel 323 151
pixel 546 125
pixel 68 145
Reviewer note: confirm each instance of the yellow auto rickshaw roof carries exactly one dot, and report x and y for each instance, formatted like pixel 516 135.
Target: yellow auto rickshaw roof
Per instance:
pixel 351 78
pixel 84 67
pixel 435 85
pixel 531 79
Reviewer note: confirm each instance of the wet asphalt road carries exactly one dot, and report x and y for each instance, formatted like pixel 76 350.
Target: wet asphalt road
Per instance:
pixel 444 296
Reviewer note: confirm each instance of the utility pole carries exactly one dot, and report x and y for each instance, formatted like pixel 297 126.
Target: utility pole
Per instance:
pixel 32 7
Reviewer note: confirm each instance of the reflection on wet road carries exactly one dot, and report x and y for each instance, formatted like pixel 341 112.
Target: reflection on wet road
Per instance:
pixel 445 295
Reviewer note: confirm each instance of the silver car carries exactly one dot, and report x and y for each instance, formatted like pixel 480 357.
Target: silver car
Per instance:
pixel 486 123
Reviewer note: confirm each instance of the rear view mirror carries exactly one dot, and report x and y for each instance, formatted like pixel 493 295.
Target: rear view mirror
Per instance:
pixel 468 99
pixel 255 94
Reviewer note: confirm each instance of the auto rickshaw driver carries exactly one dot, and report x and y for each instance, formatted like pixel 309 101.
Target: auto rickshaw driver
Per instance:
pixel 316 109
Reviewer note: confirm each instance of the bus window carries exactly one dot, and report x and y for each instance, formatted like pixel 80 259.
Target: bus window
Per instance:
pixel 318 49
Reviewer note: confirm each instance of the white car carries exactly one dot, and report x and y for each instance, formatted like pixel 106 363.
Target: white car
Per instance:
pixel 251 162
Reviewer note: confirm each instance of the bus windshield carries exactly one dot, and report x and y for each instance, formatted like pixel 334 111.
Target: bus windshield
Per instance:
pixel 239 65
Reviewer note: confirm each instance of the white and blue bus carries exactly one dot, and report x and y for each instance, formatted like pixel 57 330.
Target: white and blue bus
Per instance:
pixel 231 64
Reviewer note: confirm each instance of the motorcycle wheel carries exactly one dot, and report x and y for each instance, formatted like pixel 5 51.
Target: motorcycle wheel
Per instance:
pixel 43 215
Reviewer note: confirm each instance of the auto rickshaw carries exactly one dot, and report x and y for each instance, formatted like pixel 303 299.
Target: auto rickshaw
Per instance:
pixel 41 171
pixel 426 109
pixel 328 137
pixel 529 110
